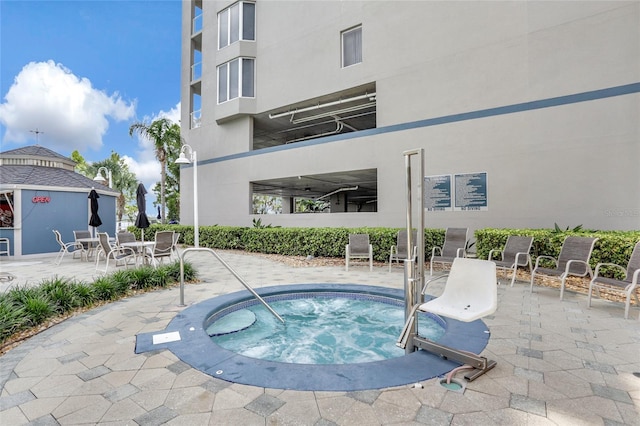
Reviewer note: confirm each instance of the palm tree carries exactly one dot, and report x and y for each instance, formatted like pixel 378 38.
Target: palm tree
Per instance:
pixel 164 134
pixel 123 179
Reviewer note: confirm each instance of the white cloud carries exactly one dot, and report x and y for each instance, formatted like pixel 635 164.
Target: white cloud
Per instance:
pixel 49 96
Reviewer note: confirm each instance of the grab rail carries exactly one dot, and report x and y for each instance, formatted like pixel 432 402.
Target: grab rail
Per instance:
pixel 226 265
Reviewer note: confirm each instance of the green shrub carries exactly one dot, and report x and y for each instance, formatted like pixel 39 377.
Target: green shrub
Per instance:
pixel 85 295
pixel 105 289
pixel 22 307
pixel 173 272
pixel 12 317
pixel 611 247
pixel 38 309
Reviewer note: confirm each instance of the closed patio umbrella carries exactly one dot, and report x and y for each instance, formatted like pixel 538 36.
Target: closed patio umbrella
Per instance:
pixel 94 220
pixel 142 221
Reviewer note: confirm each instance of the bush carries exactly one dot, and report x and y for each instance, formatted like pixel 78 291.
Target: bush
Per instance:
pixel 611 247
pixel 22 307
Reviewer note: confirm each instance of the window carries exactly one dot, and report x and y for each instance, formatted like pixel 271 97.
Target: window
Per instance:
pixel 236 79
pixel 6 209
pixel 196 26
pixel 237 22
pixel 196 111
pixel 351 47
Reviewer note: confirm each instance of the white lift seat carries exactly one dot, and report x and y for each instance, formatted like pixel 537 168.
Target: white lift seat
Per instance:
pixel 470 293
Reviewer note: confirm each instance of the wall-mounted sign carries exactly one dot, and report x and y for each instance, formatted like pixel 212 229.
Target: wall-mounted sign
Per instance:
pixel 41 199
pixel 471 192
pixel 437 193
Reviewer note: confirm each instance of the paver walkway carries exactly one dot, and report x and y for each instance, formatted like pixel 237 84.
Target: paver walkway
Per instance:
pixel 559 362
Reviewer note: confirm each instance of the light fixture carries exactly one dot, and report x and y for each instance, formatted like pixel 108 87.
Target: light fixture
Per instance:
pixel 100 177
pixel 182 159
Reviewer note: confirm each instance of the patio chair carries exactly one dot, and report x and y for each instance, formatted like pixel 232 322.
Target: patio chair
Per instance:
pixel 64 247
pixel 126 237
pixel 455 240
pixel 174 248
pixel 164 246
pixel 399 251
pixel 573 260
pixel 470 294
pixel 5 247
pixel 85 249
pixel 113 252
pixel 515 253
pixel 359 248
pixel 627 285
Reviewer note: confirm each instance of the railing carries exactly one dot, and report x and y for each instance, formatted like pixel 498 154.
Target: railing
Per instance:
pixel 196 117
pixel 197 24
pixel 226 265
pixel 196 71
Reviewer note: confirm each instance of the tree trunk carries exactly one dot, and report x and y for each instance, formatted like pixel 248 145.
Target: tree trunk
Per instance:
pixel 163 178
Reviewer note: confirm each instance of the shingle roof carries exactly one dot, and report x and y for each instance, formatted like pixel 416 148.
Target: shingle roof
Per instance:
pixel 34 150
pixel 46 176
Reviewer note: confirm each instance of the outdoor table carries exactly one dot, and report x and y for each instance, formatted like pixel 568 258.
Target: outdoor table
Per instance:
pixel 91 242
pixel 140 247
pixel 94 242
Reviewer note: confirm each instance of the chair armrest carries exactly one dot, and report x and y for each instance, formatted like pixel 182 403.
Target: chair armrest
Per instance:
pixel 553 259
pixel 572 261
pixel 393 249
pixel 346 249
pixel 496 251
pixel 527 257
pixel 433 251
pixel 461 252
pixel 636 277
pixel 424 288
pixel 596 273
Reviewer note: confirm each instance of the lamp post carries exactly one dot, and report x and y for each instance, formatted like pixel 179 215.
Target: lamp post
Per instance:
pixel 100 177
pixel 192 159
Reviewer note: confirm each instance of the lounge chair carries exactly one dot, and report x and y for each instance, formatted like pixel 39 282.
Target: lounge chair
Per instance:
pixel 627 285
pixel 85 249
pixel 113 252
pixel 455 240
pixel 359 248
pixel 573 260
pixel 469 294
pixel 399 251
pixel 163 247
pixel 515 253
pixel 64 247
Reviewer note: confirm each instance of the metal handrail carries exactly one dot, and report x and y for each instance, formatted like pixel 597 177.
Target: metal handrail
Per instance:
pixel 230 269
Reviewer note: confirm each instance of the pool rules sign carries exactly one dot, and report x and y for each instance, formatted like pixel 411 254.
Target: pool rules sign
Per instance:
pixel 458 192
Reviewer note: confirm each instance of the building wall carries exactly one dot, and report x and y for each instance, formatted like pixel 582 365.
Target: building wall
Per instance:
pixel 525 91
pixel 65 212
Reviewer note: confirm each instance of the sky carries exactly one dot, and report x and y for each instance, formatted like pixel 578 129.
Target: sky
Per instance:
pixel 80 72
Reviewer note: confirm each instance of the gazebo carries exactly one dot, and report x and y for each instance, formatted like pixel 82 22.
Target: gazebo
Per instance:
pixel 40 192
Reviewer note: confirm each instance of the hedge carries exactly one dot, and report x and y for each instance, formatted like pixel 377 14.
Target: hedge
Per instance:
pixel 612 246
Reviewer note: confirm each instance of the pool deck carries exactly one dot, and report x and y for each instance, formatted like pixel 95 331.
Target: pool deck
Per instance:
pixel 559 362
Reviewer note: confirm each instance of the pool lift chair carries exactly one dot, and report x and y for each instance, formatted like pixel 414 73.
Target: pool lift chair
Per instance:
pixel 470 293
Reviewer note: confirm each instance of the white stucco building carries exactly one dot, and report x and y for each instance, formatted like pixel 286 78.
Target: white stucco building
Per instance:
pixel 319 99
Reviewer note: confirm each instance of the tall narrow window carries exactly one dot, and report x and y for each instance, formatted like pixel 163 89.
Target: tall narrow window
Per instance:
pixel 351 47
pixel 223 77
pixel 237 22
pixel 236 78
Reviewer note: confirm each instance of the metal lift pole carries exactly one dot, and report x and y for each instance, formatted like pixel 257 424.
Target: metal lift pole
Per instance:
pixel 413 274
